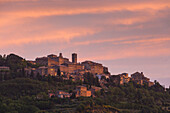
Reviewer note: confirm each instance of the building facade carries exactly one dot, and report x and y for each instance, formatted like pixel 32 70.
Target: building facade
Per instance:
pixel 52 63
pixel 82 91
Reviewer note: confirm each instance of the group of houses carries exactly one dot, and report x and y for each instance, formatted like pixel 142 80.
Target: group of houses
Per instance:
pixel 53 65
pixel 137 77
pixel 120 79
pixel 80 91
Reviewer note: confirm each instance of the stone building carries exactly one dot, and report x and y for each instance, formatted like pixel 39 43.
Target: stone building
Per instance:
pixel 52 63
pixel 51 60
pixel 72 67
pixel 64 69
pixel 93 67
pixel 43 71
pixel 54 60
pixel 63 94
pixel 124 78
pixel 42 61
pixel 31 62
pixel 120 78
pixel 77 77
pixel 74 58
pixel 82 91
pixel 139 78
pixel 30 72
pixel 94 89
pixel 150 84
pixel 59 94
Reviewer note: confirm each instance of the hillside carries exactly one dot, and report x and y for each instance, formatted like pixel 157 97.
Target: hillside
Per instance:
pixel 21 93
pixel 19 87
pixel 27 95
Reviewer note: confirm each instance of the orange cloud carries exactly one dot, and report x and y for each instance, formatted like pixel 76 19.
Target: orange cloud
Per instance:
pixel 63 35
pixel 132 20
pixel 143 41
pixel 38 12
pixel 127 40
pixel 4 1
pixel 13 14
pixel 144 48
pixel 130 52
pixel 98 41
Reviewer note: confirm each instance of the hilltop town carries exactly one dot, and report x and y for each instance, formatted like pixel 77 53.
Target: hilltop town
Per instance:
pixel 53 65
pixel 56 77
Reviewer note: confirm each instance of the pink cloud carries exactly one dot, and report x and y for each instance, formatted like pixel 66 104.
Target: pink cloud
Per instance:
pixel 144 41
pixel 51 36
pixel 73 9
pixel 127 40
pixel 129 53
pixel 137 48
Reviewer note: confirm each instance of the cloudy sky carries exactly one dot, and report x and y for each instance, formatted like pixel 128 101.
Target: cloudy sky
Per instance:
pixel 125 35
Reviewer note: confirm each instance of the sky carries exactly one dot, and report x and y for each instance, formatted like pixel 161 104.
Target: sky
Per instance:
pixel 124 35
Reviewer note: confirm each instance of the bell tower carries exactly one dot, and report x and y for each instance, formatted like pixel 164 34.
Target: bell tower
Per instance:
pixel 74 58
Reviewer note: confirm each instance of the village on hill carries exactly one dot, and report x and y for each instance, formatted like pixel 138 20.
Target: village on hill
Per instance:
pixel 54 84
pixel 53 65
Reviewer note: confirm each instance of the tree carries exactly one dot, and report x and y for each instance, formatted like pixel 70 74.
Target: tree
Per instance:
pixel 3 108
pixel 58 72
pixel 80 107
pixel 103 78
pixel 38 76
pixel 23 72
pixel 2 61
pixel 32 74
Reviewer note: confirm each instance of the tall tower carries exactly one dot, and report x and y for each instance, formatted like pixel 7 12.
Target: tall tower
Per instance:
pixel 60 55
pixel 74 58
